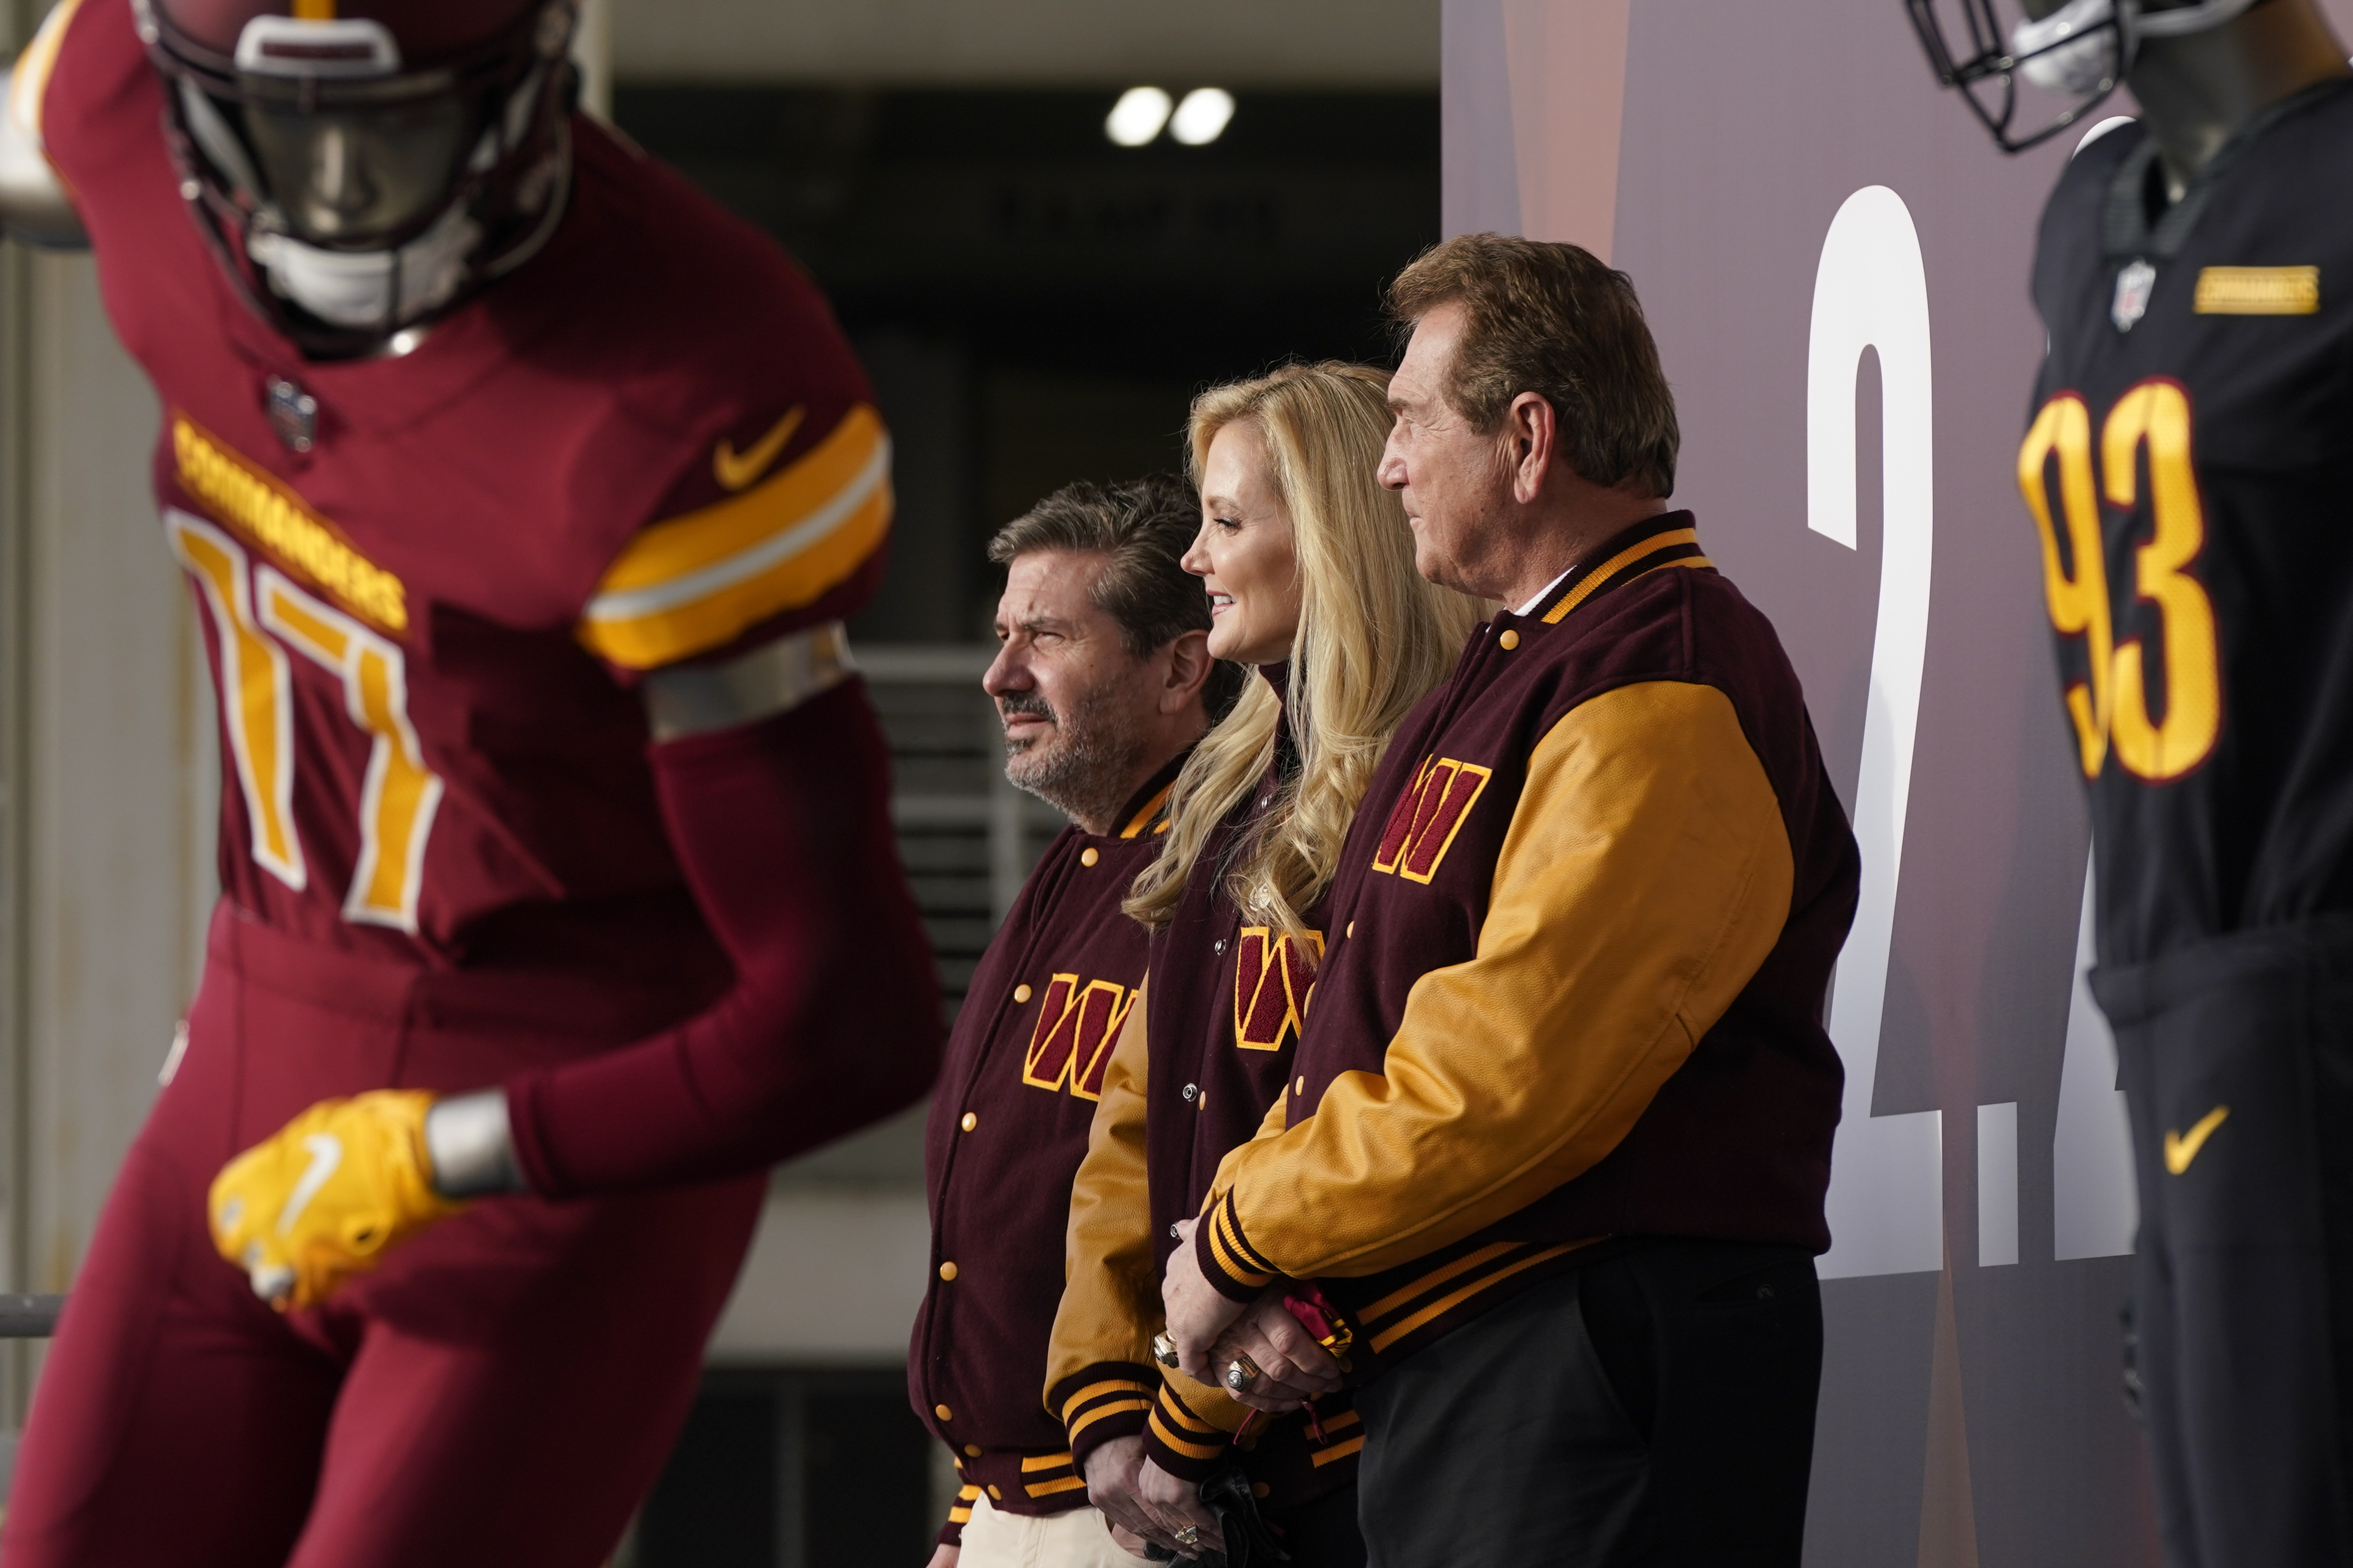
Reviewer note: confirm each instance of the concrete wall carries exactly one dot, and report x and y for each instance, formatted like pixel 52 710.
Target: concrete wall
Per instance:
pixel 121 771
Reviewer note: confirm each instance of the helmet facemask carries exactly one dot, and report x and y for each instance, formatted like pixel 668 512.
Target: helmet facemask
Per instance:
pixel 2030 78
pixel 352 197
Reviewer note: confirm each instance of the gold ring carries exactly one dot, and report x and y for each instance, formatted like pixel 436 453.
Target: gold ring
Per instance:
pixel 1242 1374
pixel 1189 1536
pixel 1163 1348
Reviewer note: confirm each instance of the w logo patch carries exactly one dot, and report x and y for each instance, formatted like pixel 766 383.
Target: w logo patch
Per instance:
pixel 1271 980
pixel 1423 824
pixel 1077 1026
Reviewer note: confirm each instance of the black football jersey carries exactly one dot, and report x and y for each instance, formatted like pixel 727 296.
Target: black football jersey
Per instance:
pixel 2188 465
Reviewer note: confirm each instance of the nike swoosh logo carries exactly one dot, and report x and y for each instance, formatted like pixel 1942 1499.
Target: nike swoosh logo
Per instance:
pixel 2182 1147
pixel 734 469
pixel 326 1153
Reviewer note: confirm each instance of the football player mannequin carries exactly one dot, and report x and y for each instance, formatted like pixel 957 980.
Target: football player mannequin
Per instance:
pixel 522 493
pixel 2187 471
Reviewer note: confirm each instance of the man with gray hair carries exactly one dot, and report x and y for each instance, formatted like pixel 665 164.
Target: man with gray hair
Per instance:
pixel 1560 1130
pixel 1102 683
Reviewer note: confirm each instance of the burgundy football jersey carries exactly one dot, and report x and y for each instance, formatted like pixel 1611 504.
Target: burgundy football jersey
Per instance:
pixel 428 582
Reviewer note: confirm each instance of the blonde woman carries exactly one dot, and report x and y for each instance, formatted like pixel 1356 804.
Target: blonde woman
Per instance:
pixel 1308 564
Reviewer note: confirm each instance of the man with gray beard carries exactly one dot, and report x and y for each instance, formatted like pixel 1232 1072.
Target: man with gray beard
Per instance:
pixel 1102 682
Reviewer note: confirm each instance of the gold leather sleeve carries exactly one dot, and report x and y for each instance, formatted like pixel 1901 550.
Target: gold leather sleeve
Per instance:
pixel 1645 877
pixel 1111 1291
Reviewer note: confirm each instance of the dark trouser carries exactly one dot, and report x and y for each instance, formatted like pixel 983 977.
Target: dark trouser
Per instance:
pixel 1652 1408
pixel 2237 1060
pixel 1323 1533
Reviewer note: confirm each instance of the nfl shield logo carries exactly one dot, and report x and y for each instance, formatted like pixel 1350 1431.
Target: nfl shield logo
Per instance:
pixel 2132 286
pixel 293 414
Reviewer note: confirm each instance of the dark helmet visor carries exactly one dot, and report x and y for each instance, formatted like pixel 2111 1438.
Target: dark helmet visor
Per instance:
pixel 319 124
pixel 356 177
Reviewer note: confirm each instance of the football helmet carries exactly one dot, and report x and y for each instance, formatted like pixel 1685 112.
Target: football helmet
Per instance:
pixel 2031 78
pixel 363 168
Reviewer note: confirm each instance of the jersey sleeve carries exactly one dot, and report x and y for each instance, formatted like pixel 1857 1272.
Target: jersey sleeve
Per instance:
pixel 784 528
pixel 782 829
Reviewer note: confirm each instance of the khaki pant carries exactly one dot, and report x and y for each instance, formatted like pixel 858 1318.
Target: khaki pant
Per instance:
pixel 1077 1537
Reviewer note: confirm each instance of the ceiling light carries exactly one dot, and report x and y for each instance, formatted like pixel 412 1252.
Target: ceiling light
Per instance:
pixel 1201 118
pixel 1138 116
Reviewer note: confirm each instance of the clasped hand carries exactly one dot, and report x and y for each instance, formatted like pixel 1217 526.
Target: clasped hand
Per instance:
pixel 1212 1331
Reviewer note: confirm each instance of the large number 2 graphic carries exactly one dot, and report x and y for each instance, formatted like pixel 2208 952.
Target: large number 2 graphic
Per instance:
pixel 1887 1197
pixel 400 793
pixel 1885 1204
pixel 2111 708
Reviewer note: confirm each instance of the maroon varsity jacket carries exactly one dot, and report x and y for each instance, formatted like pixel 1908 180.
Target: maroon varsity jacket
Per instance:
pixel 1008 1128
pixel 1588 915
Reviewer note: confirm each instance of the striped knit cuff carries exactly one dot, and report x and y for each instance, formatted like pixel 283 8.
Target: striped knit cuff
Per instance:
pixel 1237 1270
pixel 952 1533
pixel 1181 1442
pixel 1102 1402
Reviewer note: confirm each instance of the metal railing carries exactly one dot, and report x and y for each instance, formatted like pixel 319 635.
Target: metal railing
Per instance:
pixel 28 1317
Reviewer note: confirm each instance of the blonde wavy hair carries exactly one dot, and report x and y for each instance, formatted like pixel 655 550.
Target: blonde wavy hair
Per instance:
pixel 1373 637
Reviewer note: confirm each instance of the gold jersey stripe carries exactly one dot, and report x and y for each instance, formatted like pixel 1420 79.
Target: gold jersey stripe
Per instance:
pixel 1047 1489
pixel 682 547
pixel 28 83
pixel 691 584
pixel 267 513
pixel 1047 1461
pixel 2258 291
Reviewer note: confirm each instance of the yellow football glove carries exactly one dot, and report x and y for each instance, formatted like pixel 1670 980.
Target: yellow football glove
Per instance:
pixel 322 1197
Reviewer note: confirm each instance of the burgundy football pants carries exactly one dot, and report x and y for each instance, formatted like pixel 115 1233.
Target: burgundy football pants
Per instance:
pixel 502 1391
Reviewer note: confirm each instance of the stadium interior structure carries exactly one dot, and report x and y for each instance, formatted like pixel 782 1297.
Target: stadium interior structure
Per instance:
pixel 1036 304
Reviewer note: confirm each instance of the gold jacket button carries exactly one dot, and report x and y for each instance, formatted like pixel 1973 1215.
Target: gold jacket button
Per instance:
pixel 1021 993
pixel 1088 856
pixel 1352 928
pixel 1257 1488
pixel 1303 1083
pixel 1508 641
pixel 973 1448
pixel 942 1412
pixel 947 1271
pixel 995 1493
pixel 969 1121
